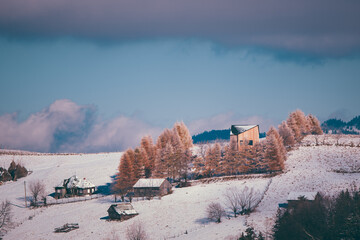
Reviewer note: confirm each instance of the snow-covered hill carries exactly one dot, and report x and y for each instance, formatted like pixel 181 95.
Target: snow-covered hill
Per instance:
pixel 311 167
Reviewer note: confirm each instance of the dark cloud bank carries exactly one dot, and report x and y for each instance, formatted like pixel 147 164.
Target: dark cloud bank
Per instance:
pixel 325 28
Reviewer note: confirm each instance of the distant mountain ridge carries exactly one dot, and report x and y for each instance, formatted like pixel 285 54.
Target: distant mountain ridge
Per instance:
pixel 338 126
pixel 215 135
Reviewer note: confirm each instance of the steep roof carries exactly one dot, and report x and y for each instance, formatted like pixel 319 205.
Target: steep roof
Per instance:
pixel 307 195
pixel 124 209
pixel 149 182
pixel 76 182
pixel 237 129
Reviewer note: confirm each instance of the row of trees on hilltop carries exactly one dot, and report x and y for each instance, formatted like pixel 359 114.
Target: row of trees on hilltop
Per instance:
pixel 269 155
pixel 168 158
pixel 297 126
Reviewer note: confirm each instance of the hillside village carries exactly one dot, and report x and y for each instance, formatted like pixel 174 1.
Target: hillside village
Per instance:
pixel 166 188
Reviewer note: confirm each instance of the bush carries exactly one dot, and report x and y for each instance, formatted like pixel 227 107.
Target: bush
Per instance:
pixel 215 212
pixel 251 235
pixel 4 175
pixel 5 215
pixel 136 232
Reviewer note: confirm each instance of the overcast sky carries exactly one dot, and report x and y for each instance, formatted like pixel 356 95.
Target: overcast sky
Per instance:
pixel 87 76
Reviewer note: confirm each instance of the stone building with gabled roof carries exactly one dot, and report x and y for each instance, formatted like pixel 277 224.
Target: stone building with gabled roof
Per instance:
pixel 74 186
pixel 244 134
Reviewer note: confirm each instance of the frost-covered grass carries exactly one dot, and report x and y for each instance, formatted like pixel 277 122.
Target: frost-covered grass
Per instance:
pixel 308 168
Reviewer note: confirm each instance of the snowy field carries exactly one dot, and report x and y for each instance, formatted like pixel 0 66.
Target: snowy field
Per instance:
pixel 309 168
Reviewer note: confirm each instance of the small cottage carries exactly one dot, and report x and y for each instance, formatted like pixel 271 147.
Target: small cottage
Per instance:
pixel 122 211
pixel 245 134
pixel 148 187
pixel 74 186
pixel 295 197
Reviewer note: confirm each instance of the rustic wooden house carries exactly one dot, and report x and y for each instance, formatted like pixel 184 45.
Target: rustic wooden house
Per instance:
pixel 149 187
pixel 74 186
pixel 244 134
pixel 295 197
pixel 122 211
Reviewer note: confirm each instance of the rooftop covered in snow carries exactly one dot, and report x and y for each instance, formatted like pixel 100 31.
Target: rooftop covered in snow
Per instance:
pixel 149 182
pixel 76 182
pixel 124 209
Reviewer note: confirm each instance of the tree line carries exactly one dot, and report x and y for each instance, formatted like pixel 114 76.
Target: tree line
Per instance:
pixel 168 158
pixel 267 156
pixel 324 218
pixel 338 126
pixel 171 156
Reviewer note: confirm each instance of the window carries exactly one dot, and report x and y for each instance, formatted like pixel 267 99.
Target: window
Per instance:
pixel 251 142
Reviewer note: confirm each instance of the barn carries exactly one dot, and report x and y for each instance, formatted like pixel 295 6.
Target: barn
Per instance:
pixel 149 187
pixel 74 186
pixel 121 211
pixel 244 134
pixel 295 197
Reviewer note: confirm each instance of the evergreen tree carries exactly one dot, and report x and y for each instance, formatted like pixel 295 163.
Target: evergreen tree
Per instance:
pixel 164 161
pixel 12 169
pixel 125 175
pixel 164 138
pixel 184 134
pixel 287 134
pixel 273 154
pixel 230 161
pixel 213 160
pixel 246 156
pixel 199 165
pixel 298 124
pixel 280 142
pixel 138 163
pixel 314 125
pixel 150 150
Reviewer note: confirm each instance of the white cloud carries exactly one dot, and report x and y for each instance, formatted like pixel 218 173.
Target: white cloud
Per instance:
pixel 65 126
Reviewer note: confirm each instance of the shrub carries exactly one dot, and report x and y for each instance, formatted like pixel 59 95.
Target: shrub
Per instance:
pixel 215 212
pixel 136 232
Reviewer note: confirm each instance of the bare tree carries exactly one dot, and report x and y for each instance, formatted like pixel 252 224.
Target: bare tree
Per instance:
pixel 248 200
pixel 37 189
pixel 136 231
pixel 5 214
pixel 215 211
pixel 232 200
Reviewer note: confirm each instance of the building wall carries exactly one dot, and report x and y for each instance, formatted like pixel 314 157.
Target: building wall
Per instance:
pixel 165 187
pixel 153 191
pixel 247 137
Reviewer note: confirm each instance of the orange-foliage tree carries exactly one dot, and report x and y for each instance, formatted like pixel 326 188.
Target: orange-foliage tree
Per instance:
pixel 125 175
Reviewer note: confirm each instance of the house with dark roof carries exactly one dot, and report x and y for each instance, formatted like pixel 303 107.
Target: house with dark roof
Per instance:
pixel 149 187
pixel 121 211
pixel 295 197
pixel 244 134
pixel 74 186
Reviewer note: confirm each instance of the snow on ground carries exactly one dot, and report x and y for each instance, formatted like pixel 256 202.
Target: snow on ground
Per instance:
pixel 308 168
